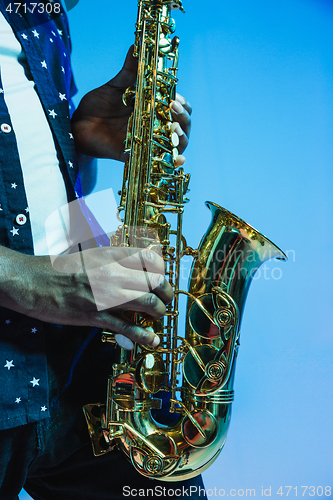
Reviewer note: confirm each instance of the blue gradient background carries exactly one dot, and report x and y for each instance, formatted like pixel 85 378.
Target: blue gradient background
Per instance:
pixel 259 76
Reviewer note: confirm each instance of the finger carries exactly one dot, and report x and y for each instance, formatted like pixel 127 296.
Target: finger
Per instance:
pixel 183 139
pixel 130 258
pixel 127 328
pixel 182 124
pixel 184 103
pixel 144 259
pixel 131 62
pixel 162 289
pixel 182 116
pixel 147 304
pixel 133 290
pixel 138 282
pixel 127 75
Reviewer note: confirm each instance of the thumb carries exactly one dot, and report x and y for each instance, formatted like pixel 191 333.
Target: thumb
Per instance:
pixel 127 75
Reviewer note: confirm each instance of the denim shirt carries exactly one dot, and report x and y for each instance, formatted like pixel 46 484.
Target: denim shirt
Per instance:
pixel 45 39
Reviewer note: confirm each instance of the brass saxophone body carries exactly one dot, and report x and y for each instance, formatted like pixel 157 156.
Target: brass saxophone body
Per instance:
pixel 168 409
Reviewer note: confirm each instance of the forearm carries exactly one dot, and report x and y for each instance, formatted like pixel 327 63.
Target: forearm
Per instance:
pixel 25 281
pixel 60 291
pixel 15 281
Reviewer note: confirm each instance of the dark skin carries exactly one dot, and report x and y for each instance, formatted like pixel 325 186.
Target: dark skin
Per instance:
pixel 100 122
pixel 61 292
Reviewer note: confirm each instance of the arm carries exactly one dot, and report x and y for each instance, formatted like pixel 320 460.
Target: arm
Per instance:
pixel 92 287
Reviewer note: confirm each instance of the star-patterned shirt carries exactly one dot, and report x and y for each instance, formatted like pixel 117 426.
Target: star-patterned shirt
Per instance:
pixel 23 368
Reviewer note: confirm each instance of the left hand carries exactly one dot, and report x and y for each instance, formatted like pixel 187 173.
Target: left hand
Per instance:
pixel 99 124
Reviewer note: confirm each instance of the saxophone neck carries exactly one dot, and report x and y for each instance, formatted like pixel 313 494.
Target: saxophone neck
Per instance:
pixel 151 171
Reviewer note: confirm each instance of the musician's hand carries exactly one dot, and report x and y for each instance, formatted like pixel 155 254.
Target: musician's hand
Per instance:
pixel 181 112
pixel 99 124
pixel 89 288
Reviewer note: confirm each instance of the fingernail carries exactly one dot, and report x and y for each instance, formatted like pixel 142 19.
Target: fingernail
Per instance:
pixel 177 107
pixel 156 341
pixel 177 128
pixel 180 160
pixel 180 98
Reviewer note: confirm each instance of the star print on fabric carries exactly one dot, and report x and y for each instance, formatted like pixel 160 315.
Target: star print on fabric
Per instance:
pixel 36 41
pixel 9 364
pixel 70 135
pixel 34 381
pixel 70 164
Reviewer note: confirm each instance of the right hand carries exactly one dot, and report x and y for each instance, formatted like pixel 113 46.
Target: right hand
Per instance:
pixel 89 288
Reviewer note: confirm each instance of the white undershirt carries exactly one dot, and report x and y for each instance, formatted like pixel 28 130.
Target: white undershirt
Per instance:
pixel 43 181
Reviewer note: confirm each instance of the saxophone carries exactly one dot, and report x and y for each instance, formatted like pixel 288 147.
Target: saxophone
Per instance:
pixel 168 409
